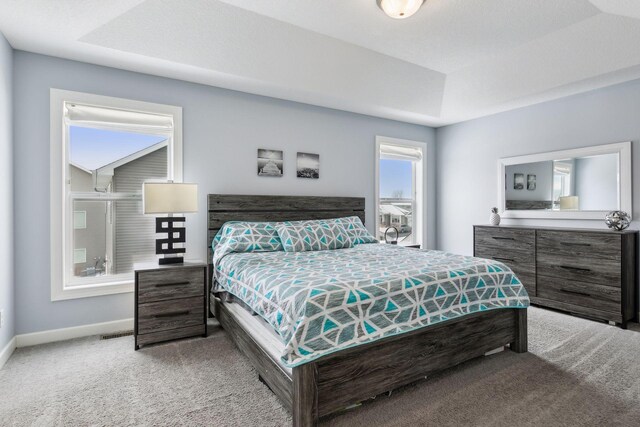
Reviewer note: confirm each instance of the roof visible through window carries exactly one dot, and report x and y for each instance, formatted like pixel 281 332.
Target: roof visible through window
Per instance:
pixel 93 148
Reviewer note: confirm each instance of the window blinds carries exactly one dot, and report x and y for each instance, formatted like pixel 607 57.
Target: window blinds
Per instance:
pixel 397 152
pixel 128 121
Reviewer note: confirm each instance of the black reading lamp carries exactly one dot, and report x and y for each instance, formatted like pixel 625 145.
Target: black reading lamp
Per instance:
pixel 170 198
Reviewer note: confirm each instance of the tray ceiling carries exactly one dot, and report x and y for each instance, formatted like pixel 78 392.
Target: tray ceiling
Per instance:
pixel 454 60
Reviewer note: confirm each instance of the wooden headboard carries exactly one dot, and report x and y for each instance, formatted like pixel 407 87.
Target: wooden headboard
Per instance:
pixel 233 207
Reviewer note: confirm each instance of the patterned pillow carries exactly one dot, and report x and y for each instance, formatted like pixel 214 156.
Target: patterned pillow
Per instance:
pixel 238 236
pixel 356 231
pixel 313 235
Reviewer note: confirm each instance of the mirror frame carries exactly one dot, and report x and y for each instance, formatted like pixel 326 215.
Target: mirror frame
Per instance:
pixel 623 149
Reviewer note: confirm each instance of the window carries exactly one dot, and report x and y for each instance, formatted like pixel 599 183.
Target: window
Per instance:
pixel 102 150
pixel 400 189
pixel 562 180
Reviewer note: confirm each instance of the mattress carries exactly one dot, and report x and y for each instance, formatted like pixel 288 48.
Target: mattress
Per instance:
pixel 320 302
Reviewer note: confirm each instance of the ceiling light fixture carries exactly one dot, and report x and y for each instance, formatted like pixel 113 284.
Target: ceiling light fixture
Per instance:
pixel 400 9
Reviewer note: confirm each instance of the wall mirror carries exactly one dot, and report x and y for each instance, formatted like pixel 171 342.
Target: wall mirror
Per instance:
pixel 582 183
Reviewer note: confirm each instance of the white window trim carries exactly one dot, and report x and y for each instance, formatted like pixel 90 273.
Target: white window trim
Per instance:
pixel 420 180
pixel 59 223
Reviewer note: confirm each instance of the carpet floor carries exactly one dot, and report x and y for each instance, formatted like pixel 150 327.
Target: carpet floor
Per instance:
pixel 577 373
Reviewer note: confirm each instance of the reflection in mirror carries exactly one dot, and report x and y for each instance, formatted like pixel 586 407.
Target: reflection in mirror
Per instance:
pixel 589 183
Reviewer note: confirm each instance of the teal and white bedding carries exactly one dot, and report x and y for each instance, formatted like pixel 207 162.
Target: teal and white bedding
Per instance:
pixel 320 302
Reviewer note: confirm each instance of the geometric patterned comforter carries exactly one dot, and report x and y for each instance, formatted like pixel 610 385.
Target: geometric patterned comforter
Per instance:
pixel 320 302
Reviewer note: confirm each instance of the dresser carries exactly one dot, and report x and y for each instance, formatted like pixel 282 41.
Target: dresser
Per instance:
pixel 170 302
pixel 592 273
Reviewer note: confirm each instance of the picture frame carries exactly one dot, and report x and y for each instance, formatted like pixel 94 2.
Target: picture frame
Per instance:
pixel 308 165
pixel 518 181
pixel 531 182
pixel 270 162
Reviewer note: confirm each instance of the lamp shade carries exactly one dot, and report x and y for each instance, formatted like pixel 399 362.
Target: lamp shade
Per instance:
pixel 169 197
pixel 569 203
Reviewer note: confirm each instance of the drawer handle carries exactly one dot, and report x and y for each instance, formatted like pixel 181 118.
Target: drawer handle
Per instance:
pixel 567 291
pixel 567 267
pixel 502 238
pixel 497 258
pixel 172 314
pixel 574 244
pixel 164 285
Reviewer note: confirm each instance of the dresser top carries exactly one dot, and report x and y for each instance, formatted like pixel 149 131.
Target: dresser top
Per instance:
pixel 535 227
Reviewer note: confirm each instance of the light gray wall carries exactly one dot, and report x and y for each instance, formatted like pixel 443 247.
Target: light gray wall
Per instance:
pixel 467 180
pixel 6 193
pixel 222 131
pixel 597 182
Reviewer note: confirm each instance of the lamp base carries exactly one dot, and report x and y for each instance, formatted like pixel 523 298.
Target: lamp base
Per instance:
pixel 171 260
pixel 175 235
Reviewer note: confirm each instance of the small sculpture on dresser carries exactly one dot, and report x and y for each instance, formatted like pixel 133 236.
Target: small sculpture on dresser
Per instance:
pixel 494 218
pixel 617 220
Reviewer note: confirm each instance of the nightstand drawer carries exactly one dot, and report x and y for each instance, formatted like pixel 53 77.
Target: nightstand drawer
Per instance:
pixel 174 314
pixel 171 334
pixel 169 284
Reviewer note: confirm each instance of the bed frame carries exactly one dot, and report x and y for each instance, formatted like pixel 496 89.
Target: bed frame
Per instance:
pixel 347 377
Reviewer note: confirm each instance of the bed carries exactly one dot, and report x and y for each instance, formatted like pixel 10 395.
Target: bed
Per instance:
pixel 314 378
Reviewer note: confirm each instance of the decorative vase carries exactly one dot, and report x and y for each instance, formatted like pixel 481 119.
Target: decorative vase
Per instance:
pixel 494 218
pixel 617 220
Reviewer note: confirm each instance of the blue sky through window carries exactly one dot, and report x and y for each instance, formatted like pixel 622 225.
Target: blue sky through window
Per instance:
pixel 395 175
pixel 94 148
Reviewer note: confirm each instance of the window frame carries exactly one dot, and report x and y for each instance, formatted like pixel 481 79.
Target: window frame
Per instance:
pixel 419 195
pixel 61 203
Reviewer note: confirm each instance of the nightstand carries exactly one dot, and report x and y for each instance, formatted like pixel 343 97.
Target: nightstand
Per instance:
pixel 170 302
pixel 404 246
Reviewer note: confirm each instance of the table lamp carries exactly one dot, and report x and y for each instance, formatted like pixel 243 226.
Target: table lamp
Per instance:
pixel 169 198
pixel 569 203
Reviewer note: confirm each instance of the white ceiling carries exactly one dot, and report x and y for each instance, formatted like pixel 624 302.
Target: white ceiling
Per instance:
pixel 452 61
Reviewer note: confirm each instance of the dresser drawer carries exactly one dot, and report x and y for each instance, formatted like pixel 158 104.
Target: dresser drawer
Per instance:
pixel 164 315
pixel 529 283
pixel 588 312
pixel 169 284
pixel 591 270
pixel 598 297
pixel 521 263
pixel 601 246
pixel 505 238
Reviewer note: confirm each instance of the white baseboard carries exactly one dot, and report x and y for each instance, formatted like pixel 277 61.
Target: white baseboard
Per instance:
pixel 53 335
pixel 7 351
